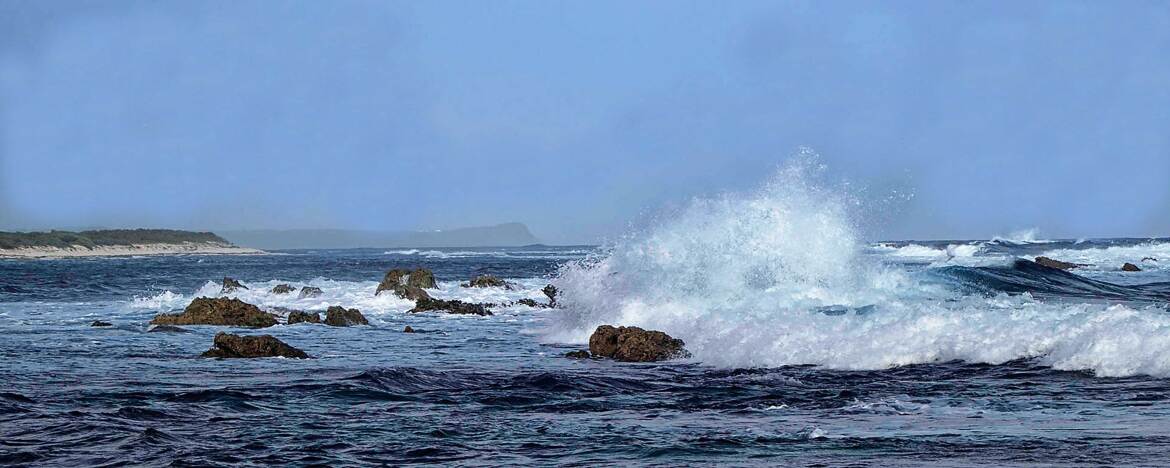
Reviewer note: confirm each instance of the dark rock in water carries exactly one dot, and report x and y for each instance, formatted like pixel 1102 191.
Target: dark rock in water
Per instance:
pixel 226 345
pixel 309 291
pixel 1059 265
pixel 167 329
pixel 551 292
pixel 486 281
pixel 392 280
pixel 408 329
pixel 580 354
pixel 1130 267
pixel 421 278
pixel 530 303
pixel 413 293
pixel 633 344
pixel 282 289
pixel 451 307
pixel 218 311
pixel 338 316
pixel 99 323
pixel 1149 259
pixel 298 316
pixel 230 285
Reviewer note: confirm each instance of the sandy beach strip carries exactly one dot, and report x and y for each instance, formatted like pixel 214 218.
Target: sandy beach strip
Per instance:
pixel 187 248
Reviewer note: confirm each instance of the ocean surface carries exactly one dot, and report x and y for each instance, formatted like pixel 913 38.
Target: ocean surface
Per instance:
pixel 899 353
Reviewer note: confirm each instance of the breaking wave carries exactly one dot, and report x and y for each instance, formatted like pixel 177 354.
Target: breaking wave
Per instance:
pixel 749 280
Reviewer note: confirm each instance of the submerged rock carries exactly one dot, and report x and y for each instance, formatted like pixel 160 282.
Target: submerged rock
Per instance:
pixel 99 323
pixel 218 311
pixel 226 345
pixel 230 285
pixel 486 281
pixel 1059 265
pixel 1130 267
pixel 298 316
pixel 421 278
pixel 337 316
pixel 449 306
pixel 167 329
pixel 282 289
pixel 579 354
pixel 309 291
pixel 1149 259
pixel 408 329
pixel 633 344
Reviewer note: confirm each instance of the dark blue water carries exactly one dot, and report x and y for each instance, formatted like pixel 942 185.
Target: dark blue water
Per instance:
pixel 496 391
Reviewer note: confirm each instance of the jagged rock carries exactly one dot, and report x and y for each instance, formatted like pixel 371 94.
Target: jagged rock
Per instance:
pixel 532 303
pixel 1059 265
pixel 226 345
pixel 309 291
pixel 337 316
pixel 230 285
pixel 99 323
pixel 408 329
pixel 282 289
pixel 580 354
pixel 392 280
pixel 218 311
pixel 633 344
pixel 551 292
pixel 486 281
pixel 421 278
pixel 412 293
pixel 451 307
pixel 298 316
pixel 1130 267
pixel 167 329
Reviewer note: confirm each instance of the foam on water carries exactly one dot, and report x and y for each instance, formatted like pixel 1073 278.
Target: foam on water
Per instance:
pixel 745 279
pixel 1149 256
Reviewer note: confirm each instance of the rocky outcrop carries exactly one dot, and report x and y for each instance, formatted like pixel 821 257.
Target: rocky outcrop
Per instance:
pixel 309 291
pixel 338 316
pixel 429 304
pixel 1149 259
pixel 282 289
pixel 580 354
pixel 218 311
pixel 226 345
pixel 633 344
pixel 551 292
pixel 1059 265
pixel 532 303
pixel 230 285
pixel 392 280
pixel 167 329
pixel 486 281
pixel 299 316
pixel 1130 267
pixel 99 323
pixel 421 278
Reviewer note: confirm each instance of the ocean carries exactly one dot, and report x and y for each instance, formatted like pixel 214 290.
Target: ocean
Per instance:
pixel 910 353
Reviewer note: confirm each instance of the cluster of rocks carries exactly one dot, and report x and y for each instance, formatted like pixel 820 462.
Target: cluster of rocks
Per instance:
pixel 412 285
pixel 631 344
pixel 1061 265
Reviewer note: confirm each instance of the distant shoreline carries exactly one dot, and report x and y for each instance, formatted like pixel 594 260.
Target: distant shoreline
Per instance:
pixel 185 248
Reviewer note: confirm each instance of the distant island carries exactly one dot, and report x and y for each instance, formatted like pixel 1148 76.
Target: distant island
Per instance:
pixel 114 242
pixel 500 235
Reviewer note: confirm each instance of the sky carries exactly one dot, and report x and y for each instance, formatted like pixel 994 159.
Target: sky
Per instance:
pixel 955 120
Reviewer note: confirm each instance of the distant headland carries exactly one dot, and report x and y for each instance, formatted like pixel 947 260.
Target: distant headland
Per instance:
pixel 114 242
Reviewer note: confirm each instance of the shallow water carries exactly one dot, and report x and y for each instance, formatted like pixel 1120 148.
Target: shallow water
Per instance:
pixel 1051 385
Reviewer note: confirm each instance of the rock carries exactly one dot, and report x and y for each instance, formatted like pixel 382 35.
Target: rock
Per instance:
pixel 226 345
pixel 1149 259
pixel 1059 265
pixel 408 329
pixel 551 292
pixel 633 344
pixel 421 278
pixel 309 291
pixel 230 285
pixel 218 311
pixel 451 307
pixel 1130 267
pixel 412 293
pixel 167 329
pixel 298 316
pixel 580 354
pixel 532 303
pixel 99 323
pixel 486 281
pixel 392 280
pixel 282 289
pixel 337 316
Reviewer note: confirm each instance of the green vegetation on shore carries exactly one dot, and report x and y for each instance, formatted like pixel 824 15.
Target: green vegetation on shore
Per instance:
pixel 105 237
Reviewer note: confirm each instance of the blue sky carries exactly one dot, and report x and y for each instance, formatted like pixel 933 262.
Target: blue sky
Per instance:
pixel 578 117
